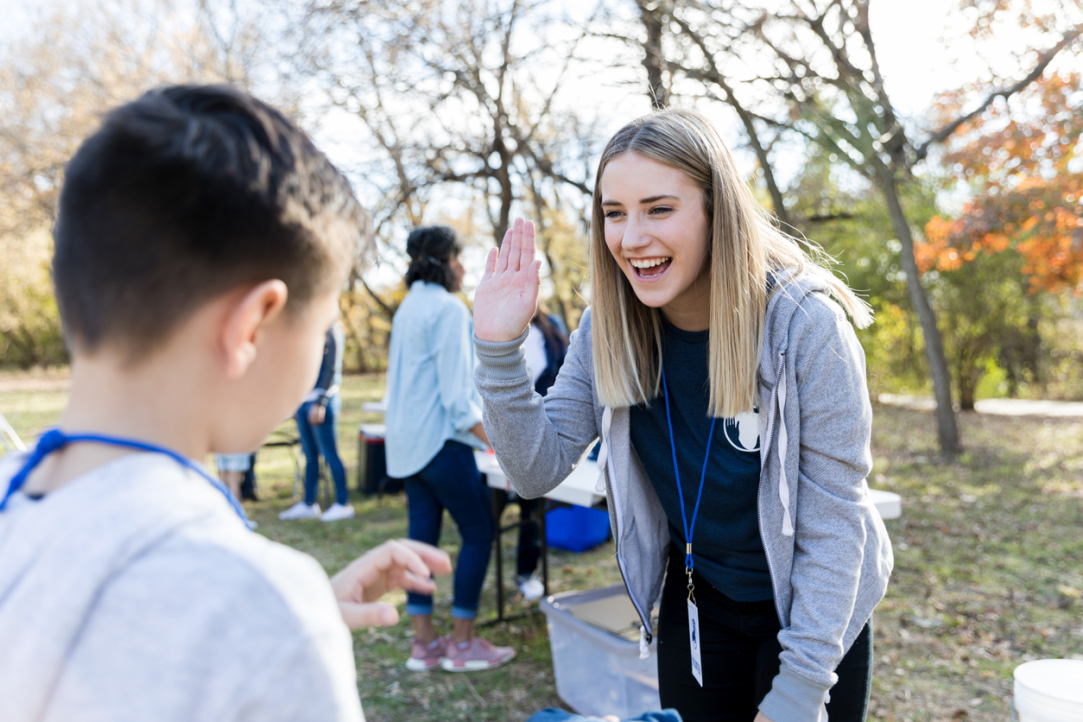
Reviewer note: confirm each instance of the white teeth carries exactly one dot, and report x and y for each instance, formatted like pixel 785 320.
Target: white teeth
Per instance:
pixel 647 262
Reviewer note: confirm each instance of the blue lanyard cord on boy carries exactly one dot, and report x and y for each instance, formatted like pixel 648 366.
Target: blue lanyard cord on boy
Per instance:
pixel 55 439
pixel 689 529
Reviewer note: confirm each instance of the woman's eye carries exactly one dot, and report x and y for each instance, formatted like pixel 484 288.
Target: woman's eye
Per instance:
pixel 659 210
pixel 613 215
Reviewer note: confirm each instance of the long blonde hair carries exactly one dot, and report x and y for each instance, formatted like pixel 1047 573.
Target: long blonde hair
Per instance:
pixel 744 246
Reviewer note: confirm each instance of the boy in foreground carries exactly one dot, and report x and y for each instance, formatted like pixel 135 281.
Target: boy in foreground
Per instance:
pixel 201 243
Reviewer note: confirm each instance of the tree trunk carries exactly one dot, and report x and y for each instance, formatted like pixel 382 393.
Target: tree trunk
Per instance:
pixel 651 16
pixel 934 345
pixel 968 375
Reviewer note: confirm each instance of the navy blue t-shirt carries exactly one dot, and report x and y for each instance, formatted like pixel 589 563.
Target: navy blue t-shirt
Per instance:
pixel 726 541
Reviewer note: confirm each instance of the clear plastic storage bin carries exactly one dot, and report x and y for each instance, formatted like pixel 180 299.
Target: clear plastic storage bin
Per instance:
pixel 594 636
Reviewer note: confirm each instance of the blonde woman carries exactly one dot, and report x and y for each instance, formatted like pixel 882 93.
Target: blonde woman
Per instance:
pixel 728 388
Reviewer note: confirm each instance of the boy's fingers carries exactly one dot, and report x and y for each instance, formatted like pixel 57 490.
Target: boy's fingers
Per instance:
pixel 437 560
pixel 505 248
pixel 372 614
pixel 526 246
pixel 399 555
pixel 420 585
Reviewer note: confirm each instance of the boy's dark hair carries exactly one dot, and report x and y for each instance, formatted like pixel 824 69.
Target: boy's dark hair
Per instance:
pixel 188 192
pixel 431 249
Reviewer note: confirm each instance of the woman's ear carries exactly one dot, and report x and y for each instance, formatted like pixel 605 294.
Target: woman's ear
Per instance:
pixel 246 316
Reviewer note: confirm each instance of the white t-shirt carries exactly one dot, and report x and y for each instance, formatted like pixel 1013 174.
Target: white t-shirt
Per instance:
pixel 136 593
pixel 534 346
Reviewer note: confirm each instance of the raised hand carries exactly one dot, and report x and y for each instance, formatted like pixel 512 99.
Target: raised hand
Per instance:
pixel 508 295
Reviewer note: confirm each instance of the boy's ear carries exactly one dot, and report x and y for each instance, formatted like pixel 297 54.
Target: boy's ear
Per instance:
pixel 246 315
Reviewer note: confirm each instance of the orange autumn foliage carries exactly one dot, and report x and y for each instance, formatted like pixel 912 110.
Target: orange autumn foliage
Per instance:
pixel 1025 160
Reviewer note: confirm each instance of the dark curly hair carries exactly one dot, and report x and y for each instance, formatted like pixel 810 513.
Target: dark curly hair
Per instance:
pixel 431 249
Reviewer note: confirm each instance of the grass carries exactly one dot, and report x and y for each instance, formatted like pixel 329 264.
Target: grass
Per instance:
pixel 987 566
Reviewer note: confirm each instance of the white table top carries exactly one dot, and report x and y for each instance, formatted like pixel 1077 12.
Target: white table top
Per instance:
pixel 578 488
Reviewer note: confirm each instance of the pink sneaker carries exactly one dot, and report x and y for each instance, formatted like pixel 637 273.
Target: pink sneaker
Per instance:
pixel 478 655
pixel 424 657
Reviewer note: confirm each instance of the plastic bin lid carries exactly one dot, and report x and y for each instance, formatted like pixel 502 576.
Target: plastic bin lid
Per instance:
pixel 608 609
pixel 1060 679
pixel 616 615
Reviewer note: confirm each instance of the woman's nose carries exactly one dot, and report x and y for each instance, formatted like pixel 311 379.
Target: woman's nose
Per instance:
pixel 635 235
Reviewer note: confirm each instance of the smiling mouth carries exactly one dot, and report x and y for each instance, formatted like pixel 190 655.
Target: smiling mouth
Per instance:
pixel 648 268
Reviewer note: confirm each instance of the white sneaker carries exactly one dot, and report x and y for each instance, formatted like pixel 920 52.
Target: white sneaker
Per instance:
pixel 337 512
pixel 531 588
pixel 301 510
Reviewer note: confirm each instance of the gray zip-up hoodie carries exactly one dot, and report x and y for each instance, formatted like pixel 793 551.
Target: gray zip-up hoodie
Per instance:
pixel 827 548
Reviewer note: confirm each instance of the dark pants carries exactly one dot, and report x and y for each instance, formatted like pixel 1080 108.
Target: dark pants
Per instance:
pixel 317 440
pixel 452 481
pixel 558 715
pixel 739 650
pixel 529 551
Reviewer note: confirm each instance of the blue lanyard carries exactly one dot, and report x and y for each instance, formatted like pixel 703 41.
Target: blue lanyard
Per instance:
pixel 55 439
pixel 689 529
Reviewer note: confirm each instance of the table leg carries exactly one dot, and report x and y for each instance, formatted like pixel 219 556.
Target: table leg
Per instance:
pixel 544 507
pixel 497 551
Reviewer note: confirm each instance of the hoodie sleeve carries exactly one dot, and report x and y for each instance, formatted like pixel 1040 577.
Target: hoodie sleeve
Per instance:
pixel 830 424
pixel 537 440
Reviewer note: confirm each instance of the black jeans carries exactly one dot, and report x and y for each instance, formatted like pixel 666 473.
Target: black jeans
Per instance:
pixel 529 550
pixel 739 649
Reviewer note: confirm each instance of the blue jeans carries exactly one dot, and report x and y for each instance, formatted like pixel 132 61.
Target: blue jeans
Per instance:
pixel 317 440
pixel 452 481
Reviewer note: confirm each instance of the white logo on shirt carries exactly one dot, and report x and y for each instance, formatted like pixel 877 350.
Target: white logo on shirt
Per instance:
pixel 743 431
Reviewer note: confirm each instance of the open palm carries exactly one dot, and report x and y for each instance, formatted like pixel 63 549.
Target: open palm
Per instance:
pixel 506 300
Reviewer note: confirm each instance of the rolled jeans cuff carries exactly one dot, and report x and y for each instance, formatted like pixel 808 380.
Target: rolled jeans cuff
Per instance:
pixel 419 610
pixel 463 613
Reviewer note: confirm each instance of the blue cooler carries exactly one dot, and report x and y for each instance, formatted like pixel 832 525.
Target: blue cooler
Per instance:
pixel 576 528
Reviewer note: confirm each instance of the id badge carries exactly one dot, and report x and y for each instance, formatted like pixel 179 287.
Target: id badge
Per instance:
pixel 694 640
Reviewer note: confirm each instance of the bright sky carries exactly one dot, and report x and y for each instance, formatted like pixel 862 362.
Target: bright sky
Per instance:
pixel 923 49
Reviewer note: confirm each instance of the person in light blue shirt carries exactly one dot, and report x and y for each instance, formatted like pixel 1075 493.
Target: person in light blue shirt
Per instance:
pixel 433 423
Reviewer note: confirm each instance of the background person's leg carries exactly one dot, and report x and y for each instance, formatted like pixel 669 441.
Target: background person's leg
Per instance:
pixel 231 470
pixel 327 444
pixel 529 538
pixel 425 517
pixel 454 478
pixel 311 451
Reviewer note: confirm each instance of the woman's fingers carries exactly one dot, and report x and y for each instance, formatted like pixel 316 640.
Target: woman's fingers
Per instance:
pixel 502 257
pixel 490 265
pixel 516 251
pixel 516 245
pixel 526 244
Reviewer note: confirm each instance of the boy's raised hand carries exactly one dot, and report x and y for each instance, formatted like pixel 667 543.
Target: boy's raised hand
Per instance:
pixel 395 564
pixel 508 295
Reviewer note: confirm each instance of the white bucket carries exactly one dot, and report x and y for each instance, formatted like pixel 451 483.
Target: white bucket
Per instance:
pixel 1049 690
